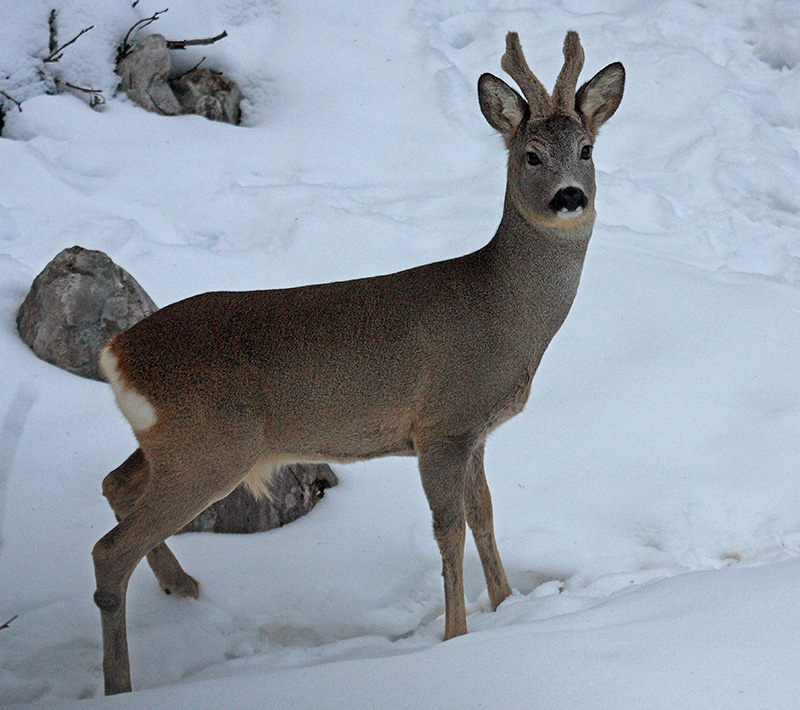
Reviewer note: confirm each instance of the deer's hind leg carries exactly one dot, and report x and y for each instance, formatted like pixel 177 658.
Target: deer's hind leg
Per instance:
pixel 177 490
pixel 123 487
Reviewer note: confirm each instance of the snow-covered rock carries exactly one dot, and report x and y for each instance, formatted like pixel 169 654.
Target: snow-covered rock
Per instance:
pixel 79 301
pixel 144 72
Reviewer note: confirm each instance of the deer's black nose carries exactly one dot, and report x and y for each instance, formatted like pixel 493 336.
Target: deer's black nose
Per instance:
pixel 568 199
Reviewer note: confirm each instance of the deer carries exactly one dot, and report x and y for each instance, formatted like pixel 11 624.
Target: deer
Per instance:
pixel 222 388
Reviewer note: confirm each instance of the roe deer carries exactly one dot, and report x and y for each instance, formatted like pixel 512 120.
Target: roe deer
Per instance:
pixel 222 388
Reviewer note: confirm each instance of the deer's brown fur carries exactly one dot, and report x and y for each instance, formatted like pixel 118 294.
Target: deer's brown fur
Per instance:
pixel 222 387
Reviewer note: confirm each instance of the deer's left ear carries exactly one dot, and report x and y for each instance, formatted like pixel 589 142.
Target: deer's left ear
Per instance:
pixel 502 107
pixel 599 97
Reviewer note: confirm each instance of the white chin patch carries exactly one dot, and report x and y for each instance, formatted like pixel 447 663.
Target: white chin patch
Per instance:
pixel 569 214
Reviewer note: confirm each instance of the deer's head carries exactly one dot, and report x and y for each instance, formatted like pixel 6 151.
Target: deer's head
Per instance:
pixel 550 137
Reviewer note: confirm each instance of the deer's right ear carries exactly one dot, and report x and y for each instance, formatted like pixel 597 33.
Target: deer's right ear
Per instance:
pixel 599 97
pixel 503 107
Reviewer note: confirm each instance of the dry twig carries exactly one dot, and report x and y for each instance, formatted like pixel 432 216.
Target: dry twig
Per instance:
pixel 97 98
pixel 57 53
pixel 189 71
pixel 13 100
pixel 51 21
pixel 125 47
pixel 184 43
pixel 8 623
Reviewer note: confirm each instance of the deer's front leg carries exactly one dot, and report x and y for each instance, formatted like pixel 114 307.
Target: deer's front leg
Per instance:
pixel 442 466
pixel 478 505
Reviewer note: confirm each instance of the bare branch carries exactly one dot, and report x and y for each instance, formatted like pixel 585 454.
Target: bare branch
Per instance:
pixel 96 98
pixel 8 623
pixel 12 100
pixel 183 44
pixel 51 21
pixel 125 47
pixel 189 71
pixel 56 54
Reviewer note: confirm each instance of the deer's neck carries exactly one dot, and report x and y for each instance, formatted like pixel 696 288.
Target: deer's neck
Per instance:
pixel 537 268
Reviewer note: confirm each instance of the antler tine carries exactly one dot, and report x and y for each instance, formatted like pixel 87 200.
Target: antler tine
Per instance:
pixel 514 64
pixel 564 91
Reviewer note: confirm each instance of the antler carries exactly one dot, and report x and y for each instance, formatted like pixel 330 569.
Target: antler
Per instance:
pixel 564 91
pixel 539 101
pixel 514 64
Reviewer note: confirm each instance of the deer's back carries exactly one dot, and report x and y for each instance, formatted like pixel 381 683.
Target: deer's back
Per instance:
pixel 372 363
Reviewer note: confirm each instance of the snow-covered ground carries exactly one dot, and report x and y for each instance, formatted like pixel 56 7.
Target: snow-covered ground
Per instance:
pixel 647 502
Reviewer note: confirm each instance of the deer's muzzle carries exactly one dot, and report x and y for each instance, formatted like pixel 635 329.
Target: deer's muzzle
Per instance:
pixel 568 202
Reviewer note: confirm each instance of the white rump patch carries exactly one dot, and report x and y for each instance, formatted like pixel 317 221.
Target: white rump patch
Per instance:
pixel 260 477
pixel 140 414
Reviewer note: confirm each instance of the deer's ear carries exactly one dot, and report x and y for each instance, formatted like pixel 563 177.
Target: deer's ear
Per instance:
pixel 503 107
pixel 599 97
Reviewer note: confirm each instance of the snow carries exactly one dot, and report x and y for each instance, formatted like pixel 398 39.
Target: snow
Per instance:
pixel 646 501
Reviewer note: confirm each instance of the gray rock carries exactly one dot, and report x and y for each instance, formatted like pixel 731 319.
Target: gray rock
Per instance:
pixel 145 73
pixel 208 93
pixel 78 303
pixel 145 79
pixel 295 491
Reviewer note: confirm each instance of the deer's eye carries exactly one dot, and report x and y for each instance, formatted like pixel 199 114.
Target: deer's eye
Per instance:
pixel 586 152
pixel 532 159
